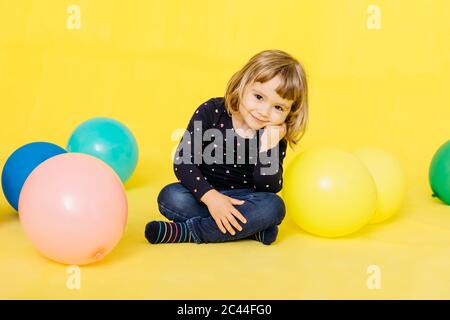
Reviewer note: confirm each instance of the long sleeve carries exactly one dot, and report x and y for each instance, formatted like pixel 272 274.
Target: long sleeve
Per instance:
pixel 185 165
pixel 268 171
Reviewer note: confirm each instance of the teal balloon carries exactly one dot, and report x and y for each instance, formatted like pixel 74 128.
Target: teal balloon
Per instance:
pixel 109 140
pixel 439 173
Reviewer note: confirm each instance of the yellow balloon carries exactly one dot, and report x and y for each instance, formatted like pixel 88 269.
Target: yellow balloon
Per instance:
pixel 329 192
pixel 389 178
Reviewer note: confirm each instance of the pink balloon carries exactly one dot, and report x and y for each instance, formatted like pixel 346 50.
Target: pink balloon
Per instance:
pixel 73 207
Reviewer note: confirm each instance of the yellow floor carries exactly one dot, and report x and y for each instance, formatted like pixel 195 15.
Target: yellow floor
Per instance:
pixel 411 252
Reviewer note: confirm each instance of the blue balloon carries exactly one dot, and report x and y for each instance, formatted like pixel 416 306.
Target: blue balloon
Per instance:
pixel 21 163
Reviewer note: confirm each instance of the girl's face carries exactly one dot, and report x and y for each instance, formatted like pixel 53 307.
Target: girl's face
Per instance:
pixel 262 106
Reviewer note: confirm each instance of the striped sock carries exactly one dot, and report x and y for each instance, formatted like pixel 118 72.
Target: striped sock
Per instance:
pixel 167 232
pixel 266 236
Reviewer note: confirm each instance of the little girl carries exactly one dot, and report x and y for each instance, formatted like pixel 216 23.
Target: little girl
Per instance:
pixel 226 188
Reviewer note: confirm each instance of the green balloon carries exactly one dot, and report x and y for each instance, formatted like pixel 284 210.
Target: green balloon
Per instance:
pixel 108 140
pixel 439 173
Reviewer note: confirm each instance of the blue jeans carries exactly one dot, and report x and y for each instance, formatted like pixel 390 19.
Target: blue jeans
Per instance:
pixel 261 209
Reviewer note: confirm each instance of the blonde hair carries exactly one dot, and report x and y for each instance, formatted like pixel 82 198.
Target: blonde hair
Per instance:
pixel 263 67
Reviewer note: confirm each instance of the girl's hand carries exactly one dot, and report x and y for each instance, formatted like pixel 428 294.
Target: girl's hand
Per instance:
pixel 222 210
pixel 272 134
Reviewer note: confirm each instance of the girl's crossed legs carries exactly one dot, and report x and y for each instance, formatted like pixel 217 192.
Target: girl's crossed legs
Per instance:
pixel 264 211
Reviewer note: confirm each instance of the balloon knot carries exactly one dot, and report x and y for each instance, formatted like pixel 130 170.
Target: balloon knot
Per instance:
pixel 99 255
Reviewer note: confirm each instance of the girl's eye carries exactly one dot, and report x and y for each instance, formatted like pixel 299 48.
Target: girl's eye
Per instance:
pixel 257 96
pixel 279 108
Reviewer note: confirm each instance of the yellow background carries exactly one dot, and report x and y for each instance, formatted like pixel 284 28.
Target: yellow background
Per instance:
pixel 149 64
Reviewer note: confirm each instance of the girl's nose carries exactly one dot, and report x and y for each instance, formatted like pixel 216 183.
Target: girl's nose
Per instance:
pixel 263 113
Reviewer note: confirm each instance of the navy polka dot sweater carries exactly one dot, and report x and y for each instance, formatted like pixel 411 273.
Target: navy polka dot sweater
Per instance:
pixel 261 171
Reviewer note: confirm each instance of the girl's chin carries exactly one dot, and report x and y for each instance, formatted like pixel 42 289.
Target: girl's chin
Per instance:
pixel 254 126
pixel 257 126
